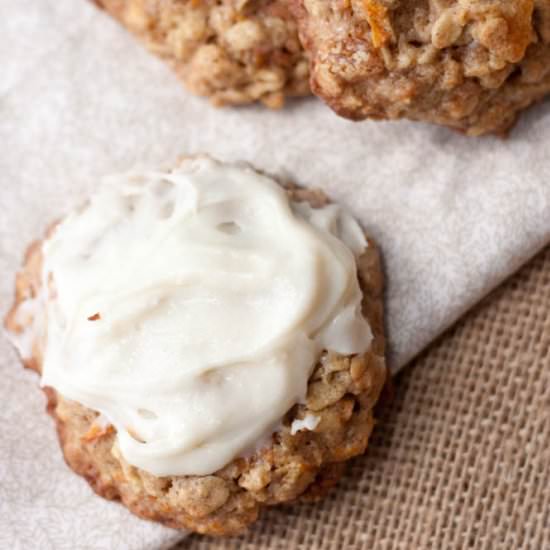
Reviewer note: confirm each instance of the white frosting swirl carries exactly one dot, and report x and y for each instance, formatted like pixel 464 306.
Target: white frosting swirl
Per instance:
pixel 190 307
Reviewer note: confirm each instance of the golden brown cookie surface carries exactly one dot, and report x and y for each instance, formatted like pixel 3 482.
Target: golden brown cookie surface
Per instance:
pixel 231 51
pixel 469 64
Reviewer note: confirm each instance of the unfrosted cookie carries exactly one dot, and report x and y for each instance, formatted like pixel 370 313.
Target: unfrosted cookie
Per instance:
pixel 472 65
pixel 303 458
pixel 233 52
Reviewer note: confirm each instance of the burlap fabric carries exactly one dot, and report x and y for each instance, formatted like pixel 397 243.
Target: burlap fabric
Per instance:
pixel 460 458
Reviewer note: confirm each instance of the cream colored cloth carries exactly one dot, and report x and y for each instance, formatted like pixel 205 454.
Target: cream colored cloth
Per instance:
pixel 79 98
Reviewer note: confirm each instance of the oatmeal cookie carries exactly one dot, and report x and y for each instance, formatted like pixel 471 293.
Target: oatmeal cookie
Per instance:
pixel 296 463
pixel 232 51
pixel 472 65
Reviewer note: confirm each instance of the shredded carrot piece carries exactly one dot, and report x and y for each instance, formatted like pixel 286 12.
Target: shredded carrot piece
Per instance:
pixel 96 432
pixel 378 22
pixel 520 30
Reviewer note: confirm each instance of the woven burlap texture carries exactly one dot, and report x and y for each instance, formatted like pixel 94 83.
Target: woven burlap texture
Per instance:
pixel 460 458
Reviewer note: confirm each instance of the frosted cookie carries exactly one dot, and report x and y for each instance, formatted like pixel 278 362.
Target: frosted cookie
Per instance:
pixel 469 64
pixel 210 342
pixel 233 52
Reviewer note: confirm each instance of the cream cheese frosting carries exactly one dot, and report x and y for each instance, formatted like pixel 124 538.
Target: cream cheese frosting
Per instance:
pixel 189 307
